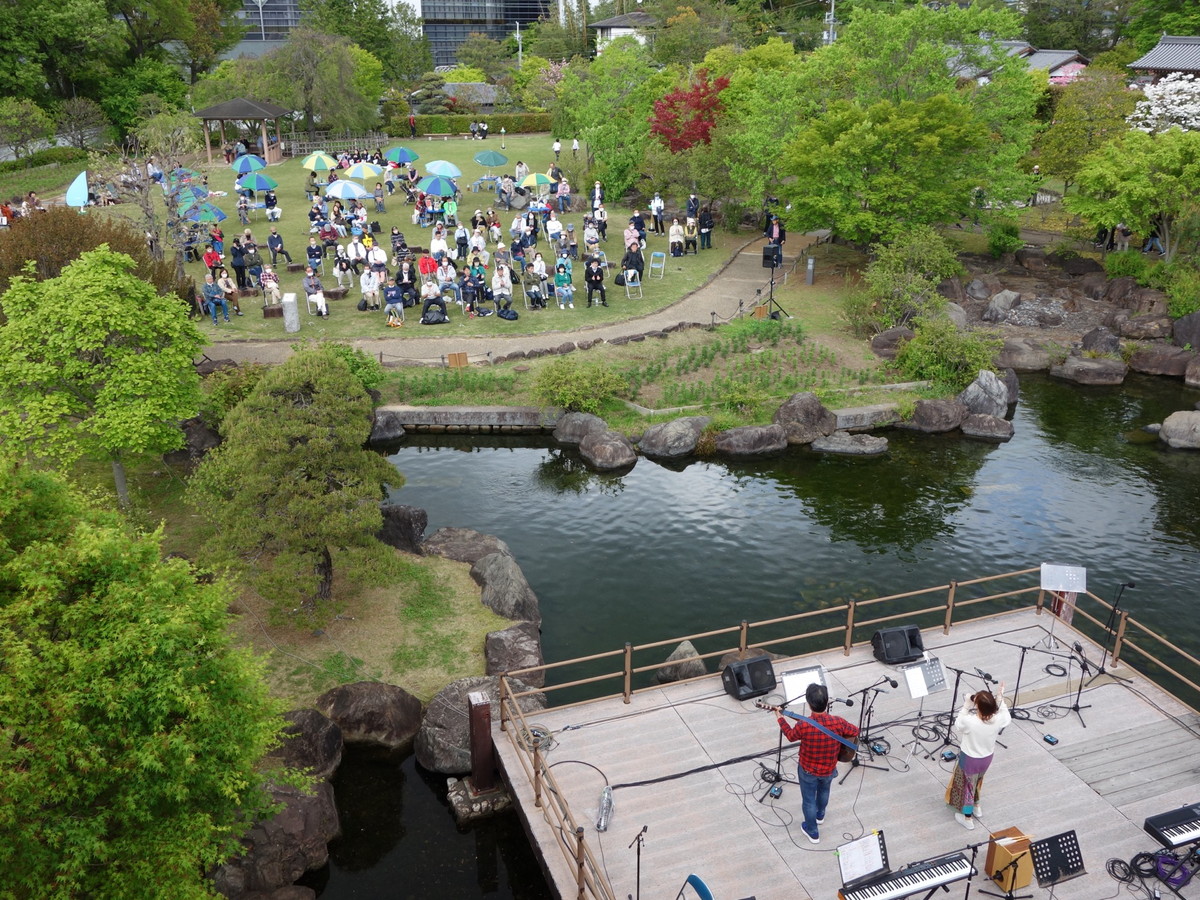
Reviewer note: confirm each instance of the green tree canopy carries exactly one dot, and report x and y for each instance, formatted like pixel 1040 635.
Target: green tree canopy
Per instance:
pixel 22 124
pixel 1091 110
pixel 1089 26
pixel 292 484
pixel 391 32
pixel 55 50
pixel 124 97
pixel 131 731
pixel 490 56
pixel 1151 19
pixel 95 362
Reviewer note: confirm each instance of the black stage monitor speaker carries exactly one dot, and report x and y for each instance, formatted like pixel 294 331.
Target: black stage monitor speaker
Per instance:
pixel 898 645
pixel 772 257
pixel 748 678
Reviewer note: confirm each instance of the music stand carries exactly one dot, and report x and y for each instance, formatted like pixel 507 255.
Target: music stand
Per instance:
pixel 1069 579
pixel 1057 859
pixel 922 678
pixel 862 859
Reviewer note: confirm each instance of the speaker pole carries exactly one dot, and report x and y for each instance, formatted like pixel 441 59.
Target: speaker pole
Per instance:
pixel 776 259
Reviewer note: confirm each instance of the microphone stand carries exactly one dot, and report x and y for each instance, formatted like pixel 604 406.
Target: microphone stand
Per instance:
pixel 1110 634
pixel 947 740
pixel 639 840
pixel 998 877
pixel 864 715
pixel 779 778
pixel 1075 707
pixel 1016 711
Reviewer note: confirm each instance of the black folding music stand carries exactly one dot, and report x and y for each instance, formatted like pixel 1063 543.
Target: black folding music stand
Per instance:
pixel 1057 859
pixel 923 678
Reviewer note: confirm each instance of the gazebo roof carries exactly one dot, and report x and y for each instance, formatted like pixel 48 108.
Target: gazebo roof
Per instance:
pixel 1174 53
pixel 241 108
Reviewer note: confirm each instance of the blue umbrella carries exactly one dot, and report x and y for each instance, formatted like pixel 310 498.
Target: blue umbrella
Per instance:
pixel 444 168
pixel 77 193
pixel 438 186
pixel 400 156
pixel 248 163
pixel 256 181
pixel 205 212
pixel 346 190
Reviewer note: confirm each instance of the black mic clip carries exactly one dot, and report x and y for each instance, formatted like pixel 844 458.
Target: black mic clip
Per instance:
pixel 986 676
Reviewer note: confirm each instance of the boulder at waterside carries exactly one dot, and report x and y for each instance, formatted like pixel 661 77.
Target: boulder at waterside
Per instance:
pixel 505 592
pixel 936 416
pixel 987 428
pixel 847 444
pixel 463 545
pixel 311 741
pixel 672 440
pixel 1146 328
pixel 403 527
pixel 573 427
pixel 373 713
pixel 986 395
pixel 1101 340
pixel 752 440
pixel 514 648
pixel 1191 375
pixel 1181 430
pixel 1161 359
pixel 687 664
pixel 1186 331
pixel 804 418
pixel 1023 355
pixel 284 847
pixel 607 451
pixel 444 741
pixel 1090 371
pixel 1000 306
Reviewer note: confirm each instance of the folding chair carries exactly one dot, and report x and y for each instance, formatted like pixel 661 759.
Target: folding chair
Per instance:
pixel 633 286
pixel 658 260
pixel 600 255
pixel 313 305
pixel 696 883
pixel 528 301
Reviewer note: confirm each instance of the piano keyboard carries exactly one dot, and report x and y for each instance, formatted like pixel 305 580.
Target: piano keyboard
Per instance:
pixel 923 876
pixel 1176 827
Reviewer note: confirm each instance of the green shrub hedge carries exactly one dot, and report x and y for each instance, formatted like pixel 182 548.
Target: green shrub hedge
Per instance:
pixel 512 123
pixel 48 157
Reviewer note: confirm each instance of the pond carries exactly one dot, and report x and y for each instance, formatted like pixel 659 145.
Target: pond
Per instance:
pixel 665 551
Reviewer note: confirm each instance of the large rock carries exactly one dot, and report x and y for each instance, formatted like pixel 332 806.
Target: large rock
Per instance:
pixel 952 289
pixel 672 440
pixel 1181 430
pixel 514 648
pixel 804 418
pixel 1118 291
pixel 284 847
pixel 1191 375
pixel 936 416
pixel 607 451
pixel 573 427
pixel 1090 371
pixel 1101 340
pixel 988 428
pixel 387 425
pixel 867 418
pixel 752 440
pixel 505 590
pixel 1080 265
pixel 957 315
pixel 311 741
pixel 687 664
pixel 1148 302
pixel 463 545
pixel 986 395
pixel 1161 359
pixel 1023 356
pixel 1031 258
pixel 887 343
pixel 845 444
pixel 1095 285
pixel 1185 332
pixel 198 438
pixel 1000 305
pixel 1012 384
pixel 373 713
pixel 1147 328
pixel 403 527
pixel 444 741
pixel 983 287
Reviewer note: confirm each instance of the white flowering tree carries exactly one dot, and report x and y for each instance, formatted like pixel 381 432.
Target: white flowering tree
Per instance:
pixel 1172 103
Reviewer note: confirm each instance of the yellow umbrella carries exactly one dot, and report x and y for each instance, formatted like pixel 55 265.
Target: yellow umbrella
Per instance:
pixel 319 162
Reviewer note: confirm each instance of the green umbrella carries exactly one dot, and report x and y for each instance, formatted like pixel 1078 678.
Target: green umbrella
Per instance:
pixel 400 156
pixel 319 162
pixel 490 159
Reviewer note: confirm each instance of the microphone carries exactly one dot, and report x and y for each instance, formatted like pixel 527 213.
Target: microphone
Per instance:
pixel 1129 584
pixel 840 700
pixel 986 676
pixel 1078 648
pixel 893 682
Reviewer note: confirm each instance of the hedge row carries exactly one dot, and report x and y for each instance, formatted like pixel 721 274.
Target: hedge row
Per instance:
pixel 512 123
pixel 48 157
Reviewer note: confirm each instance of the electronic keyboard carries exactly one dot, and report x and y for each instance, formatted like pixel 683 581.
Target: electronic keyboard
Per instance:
pixel 1175 828
pixel 918 877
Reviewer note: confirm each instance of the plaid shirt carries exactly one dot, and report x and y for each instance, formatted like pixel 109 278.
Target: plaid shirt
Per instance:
pixel 818 751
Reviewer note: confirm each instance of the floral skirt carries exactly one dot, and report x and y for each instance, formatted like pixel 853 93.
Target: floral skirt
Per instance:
pixel 964 788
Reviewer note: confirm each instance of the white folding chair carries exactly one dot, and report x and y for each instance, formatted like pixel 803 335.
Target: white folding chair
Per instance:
pixel 658 260
pixel 633 286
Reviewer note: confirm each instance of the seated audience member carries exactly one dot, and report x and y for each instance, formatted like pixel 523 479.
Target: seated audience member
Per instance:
pixel 314 291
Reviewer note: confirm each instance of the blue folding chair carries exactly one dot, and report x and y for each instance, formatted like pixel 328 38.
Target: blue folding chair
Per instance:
pixel 658 260
pixel 696 883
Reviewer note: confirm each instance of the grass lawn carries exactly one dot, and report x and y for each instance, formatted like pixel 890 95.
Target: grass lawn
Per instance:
pixel 48 182
pixel 346 322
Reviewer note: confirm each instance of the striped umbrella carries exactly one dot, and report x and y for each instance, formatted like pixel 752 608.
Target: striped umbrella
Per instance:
pixel 346 190
pixel 319 162
pixel 205 212
pixel 257 181
pixel 248 163
pixel 364 170
pixel 443 168
pixel 401 156
pixel 536 179
pixel 437 185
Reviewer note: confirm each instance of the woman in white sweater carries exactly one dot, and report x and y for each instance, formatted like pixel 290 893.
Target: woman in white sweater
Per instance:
pixel 978 724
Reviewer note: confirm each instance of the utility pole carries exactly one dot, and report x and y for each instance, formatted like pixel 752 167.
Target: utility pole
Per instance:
pixel 518 45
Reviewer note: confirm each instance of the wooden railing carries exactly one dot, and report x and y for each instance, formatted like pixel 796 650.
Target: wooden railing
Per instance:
pixel 298 143
pixel 957 602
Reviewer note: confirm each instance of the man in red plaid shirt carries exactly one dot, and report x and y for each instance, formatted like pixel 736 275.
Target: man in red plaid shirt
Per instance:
pixel 818 756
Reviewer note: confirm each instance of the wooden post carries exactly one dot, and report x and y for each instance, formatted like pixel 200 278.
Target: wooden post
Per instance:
pixel 483 759
pixel 628 671
pixel 1041 600
pixel 849 629
pixel 744 636
pixel 1121 623
pixel 208 140
pixel 502 686
pixel 579 859
pixel 949 607
pixel 537 769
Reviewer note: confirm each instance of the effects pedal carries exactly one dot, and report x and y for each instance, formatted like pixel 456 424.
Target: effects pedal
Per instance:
pixel 949 756
pixel 1050 739
pixel 776 791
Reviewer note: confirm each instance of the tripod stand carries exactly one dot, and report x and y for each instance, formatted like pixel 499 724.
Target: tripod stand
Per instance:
pixel 947 740
pixel 639 840
pixel 776 261
pixel 999 877
pixel 1083 665
pixel 1016 711
pixel 775 777
pixel 1110 634
pixel 864 728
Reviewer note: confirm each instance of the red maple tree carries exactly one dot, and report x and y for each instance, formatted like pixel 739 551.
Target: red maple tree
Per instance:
pixel 685 117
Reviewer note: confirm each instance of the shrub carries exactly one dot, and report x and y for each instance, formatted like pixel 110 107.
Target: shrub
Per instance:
pixel 940 353
pixel 902 278
pixel 1183 293
pixel 366 368
pixel 858 308
pixel 577 386
pixel 1004 237
pixel 1128 262
pixel 51 156
pixel 224 389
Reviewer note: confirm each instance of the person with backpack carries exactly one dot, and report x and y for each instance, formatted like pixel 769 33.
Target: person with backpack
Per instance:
pixel 431 294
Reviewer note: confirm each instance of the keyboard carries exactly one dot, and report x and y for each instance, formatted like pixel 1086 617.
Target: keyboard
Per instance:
pixel 922 876
pixel 1175 828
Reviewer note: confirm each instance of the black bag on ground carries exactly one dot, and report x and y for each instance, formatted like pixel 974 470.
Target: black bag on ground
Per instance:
pixel 362 305
pixel 509 314
pixel 619 279
pixel 434 316
pixel 376 228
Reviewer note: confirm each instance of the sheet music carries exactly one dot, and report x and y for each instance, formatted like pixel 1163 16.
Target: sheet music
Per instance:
pixel 796 682
pixel 862 858
pixel 924 678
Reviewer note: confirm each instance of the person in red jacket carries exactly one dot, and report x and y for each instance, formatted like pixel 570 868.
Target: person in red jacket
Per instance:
pixel 818 756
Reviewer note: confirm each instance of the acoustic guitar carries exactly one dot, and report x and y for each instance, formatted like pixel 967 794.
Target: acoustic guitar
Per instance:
pixel 847 752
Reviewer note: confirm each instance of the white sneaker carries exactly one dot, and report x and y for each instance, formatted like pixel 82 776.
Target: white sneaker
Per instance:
pixel 977 811
pixel 964 821
pixel 560 306
pixel 572 305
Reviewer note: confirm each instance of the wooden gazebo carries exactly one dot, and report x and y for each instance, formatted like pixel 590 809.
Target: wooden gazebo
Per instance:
pixel 245 110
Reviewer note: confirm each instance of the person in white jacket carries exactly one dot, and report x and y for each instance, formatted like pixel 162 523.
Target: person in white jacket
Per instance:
pixel 369 282
pixel 978 724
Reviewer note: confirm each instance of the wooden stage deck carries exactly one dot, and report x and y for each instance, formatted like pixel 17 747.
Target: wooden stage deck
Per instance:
pixel 1137 755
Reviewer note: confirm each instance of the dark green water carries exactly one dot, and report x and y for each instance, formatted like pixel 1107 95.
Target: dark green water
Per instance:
pixel 661 552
